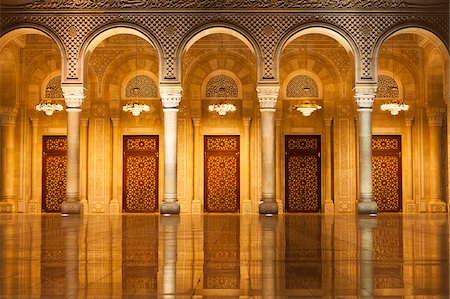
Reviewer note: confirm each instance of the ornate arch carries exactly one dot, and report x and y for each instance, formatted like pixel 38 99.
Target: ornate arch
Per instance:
pixel 194 35
pixel 104 32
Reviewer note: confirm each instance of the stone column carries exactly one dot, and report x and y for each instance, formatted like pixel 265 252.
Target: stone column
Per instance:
pixel 329 205
pixel 435 162
pixel 364 95
pixel 84 162
pixel 33 205
pixel 247 205
pixel 197 155
pixel 170 97
pixel 8 121
pixel 410 204
pixel 74 96
pixel 267 96
pixel 114 204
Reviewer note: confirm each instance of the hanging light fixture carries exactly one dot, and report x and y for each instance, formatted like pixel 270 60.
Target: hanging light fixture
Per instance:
pixel 223 107
pixel 306 108
pixel 47 105
pixel 135 106
pixel 396 105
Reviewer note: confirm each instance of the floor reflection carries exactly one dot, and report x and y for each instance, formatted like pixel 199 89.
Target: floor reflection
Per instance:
pixel 228 256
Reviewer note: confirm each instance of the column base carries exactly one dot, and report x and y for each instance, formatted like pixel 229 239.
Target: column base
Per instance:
pixel 196 207
pixel 169 208
pixel 70 207
pixel 114 207
pixel 437 207
pixel 268 208
pixel 329 208
pixel 368 207
pixel 247 207
pixel 410 208
pixel 32 207
pixel 6 207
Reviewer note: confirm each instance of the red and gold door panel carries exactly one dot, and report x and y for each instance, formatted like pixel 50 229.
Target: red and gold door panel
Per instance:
pixel 302 168
pixel 387 172
pixel 54 172
pixel 222 174
pixel 140 174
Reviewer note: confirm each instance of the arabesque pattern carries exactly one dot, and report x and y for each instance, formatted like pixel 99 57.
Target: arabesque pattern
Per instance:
pixel 386 172
pixel 54 173
pixel 140 186
pixel 222 173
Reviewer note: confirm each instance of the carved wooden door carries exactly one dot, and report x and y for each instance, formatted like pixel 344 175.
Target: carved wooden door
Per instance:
pixel 387 172
pixel 140 174
pixel 302 168
pixel 54 172
pixel 221 174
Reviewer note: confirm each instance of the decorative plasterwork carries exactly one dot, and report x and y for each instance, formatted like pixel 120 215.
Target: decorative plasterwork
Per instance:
pixel 221 86
pixel 147 87
pixel 53 89
pixel 170 95
pixel 385 88
pixel 267 96
pixel 73 95
pixel 364 29
pixel 302 86
pixel 365 94
pixel 100 59
pixel 8 115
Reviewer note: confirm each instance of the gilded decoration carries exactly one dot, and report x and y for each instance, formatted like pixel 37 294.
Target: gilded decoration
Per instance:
pixel 302 86
pixel 387 88
pixel 140 188
pixel 53 89
pixel 54 178
pixel 221 86
pixel 386 172
pixel 147 87
pixel 303 173
pixel 222 173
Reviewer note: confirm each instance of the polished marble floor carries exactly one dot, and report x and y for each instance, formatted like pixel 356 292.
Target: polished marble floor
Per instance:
pixel 224 256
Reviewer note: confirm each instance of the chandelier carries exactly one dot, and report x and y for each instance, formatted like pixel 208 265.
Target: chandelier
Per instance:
pixel 49 107
pixel 222 108
pixel 306 108
pixel 136 107
pixel 394 107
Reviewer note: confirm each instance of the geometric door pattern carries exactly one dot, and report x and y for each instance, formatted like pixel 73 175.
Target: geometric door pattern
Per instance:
pixel 140 174
pixel 54 170
pixel 221 174
pixel 303 173
pixel 387 172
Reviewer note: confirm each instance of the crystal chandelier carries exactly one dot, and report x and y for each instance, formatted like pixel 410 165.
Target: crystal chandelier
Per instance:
pixel 306 108
pixel 136 107
pixel 48 106
pixel 394 107
pixel 222 108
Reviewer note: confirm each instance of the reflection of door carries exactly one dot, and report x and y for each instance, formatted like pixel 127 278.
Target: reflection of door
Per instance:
pixel 222 173
pixel 140 174
pixel 387 172
pixel 54 172
pixel 302 173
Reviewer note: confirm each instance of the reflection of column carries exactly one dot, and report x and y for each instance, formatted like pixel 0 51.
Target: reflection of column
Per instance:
pixel 364 98
pixel 435 120
pixel 170 97
pixel 267 96
pixel 329 205
pixel 114 204
pixel 8 122
pixel 278 158
pixel 247 205
pixel 83 163
pixel 71 227
pixel 35 151
pixel 268 240
pixel 410 204
pixel 169 272
pixel 366 227
pixel 74 98
pixel 196 203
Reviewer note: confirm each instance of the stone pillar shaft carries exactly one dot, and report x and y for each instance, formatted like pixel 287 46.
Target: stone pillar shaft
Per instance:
pixel 329 206
pixel 364 98
pixel 267 99
pixel 410 204
pixel 196 203
pixel 171 97
pixel 114 204
pixel 35 190
pixel 246 169
pixel 74 96
pixel 84 162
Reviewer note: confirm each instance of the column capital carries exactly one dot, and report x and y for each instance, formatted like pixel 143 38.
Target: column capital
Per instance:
pixel 170 95
pixel 8 115
pixel 246 121
pixel 196 121
pixel 267 96
pixel 435 116
pixel 34 121
pixel 115 121
pixel 328 121
pixel 409 121
pixel 73 95
pixel 365 94
pixel 84 121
